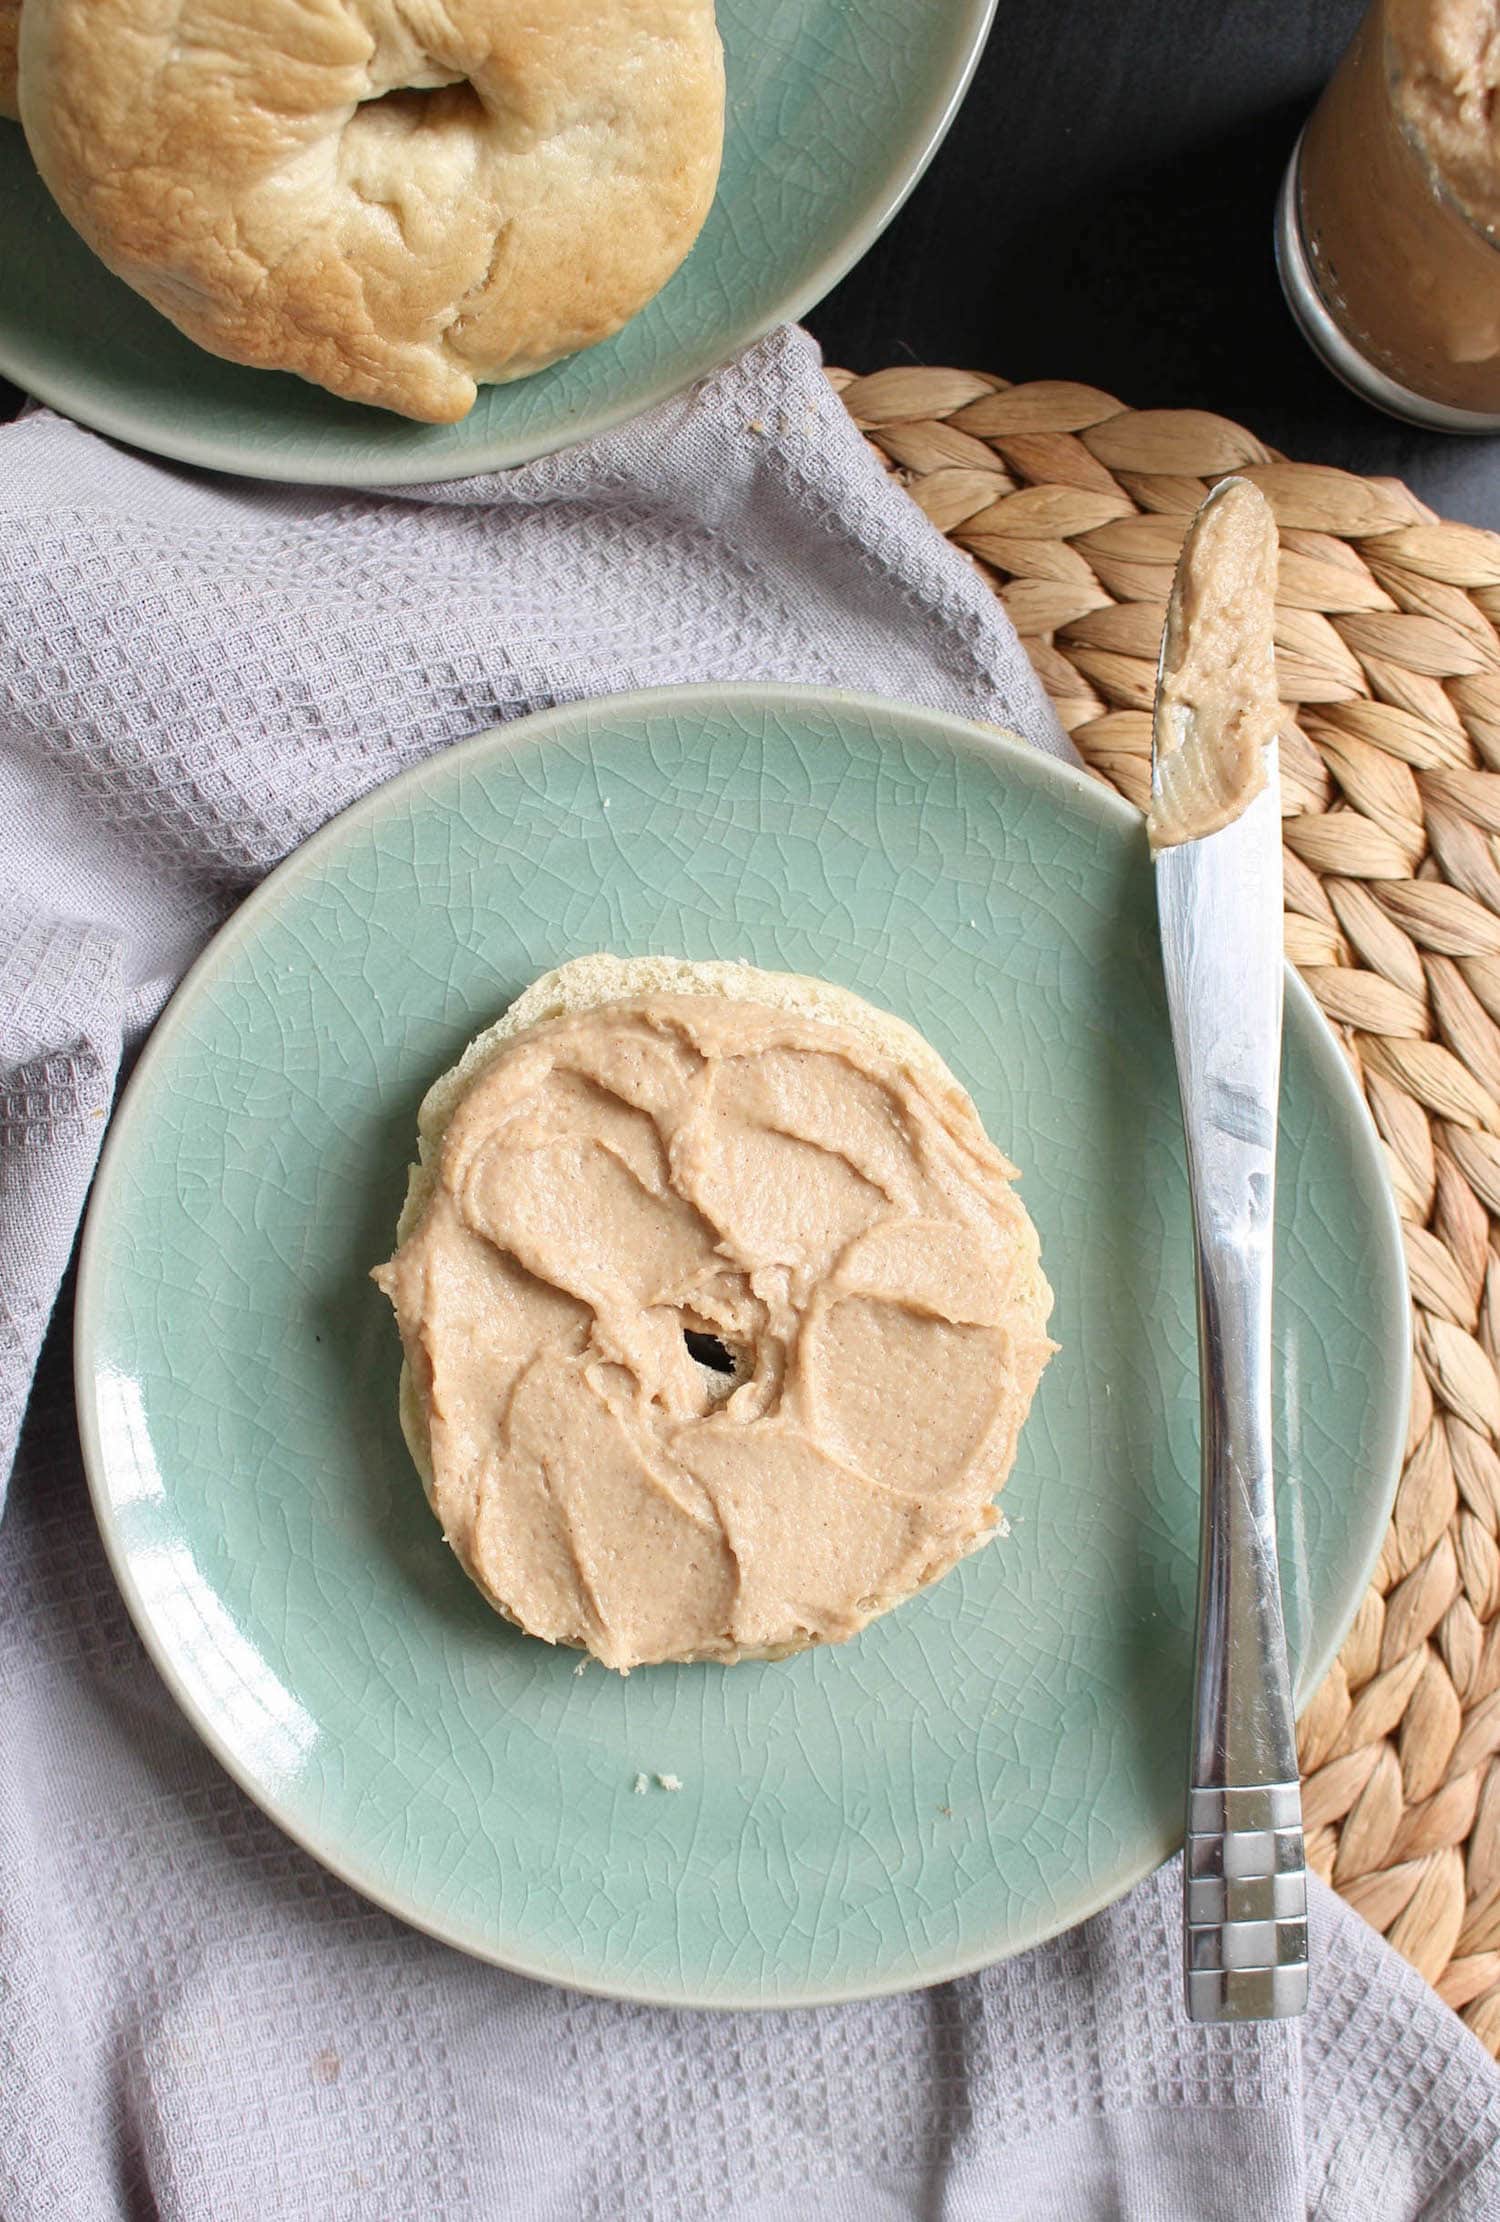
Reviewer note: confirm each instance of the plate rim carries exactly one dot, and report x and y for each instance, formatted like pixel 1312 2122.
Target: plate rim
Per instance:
pixel 898 180
pixel 1331 1066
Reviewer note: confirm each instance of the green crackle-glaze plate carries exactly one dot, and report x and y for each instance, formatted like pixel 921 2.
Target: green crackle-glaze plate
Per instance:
pixel 986 1765
pixel 835 108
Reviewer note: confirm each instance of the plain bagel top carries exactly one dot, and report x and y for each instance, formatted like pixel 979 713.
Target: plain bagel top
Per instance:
pixel 394 198
pixel 721 1316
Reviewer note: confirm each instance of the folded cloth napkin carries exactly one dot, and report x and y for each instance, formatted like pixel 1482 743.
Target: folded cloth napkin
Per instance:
pixel 196 2021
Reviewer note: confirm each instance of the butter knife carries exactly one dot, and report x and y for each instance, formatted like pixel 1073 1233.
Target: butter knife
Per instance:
pixel 1219 901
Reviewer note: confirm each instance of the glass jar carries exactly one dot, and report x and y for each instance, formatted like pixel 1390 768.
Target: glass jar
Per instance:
pixel 1388 255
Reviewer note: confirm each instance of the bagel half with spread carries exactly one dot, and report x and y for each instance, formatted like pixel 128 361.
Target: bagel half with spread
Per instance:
pixel 397 199
pixel 720 1314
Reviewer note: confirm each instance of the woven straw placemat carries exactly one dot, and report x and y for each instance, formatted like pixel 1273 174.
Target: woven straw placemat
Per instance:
pixel 1389 663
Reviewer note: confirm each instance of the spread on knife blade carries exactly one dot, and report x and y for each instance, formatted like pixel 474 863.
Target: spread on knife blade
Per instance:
pixel 1217 707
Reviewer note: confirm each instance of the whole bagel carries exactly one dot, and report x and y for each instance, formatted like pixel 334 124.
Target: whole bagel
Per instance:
pixel 397 199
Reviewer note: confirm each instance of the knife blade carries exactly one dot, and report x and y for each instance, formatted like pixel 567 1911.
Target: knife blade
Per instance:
pixel 1219 903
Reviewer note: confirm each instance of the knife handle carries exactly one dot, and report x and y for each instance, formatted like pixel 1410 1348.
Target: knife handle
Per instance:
pixel 1245 1904
pixel 1244 1872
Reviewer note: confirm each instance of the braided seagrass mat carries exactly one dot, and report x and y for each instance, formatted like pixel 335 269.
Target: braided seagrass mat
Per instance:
pixel 1389 663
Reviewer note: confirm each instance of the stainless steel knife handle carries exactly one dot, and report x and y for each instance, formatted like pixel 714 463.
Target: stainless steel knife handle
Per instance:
pixel 1244 1874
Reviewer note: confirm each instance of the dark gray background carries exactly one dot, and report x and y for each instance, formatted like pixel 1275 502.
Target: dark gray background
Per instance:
pixel 1101 210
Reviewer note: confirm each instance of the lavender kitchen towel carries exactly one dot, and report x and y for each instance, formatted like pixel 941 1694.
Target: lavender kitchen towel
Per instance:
pixel 197 2023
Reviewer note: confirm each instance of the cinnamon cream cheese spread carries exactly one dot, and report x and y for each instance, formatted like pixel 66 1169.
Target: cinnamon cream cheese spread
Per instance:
pixel 1445 75
pixel 721 1316
pixel 1217 705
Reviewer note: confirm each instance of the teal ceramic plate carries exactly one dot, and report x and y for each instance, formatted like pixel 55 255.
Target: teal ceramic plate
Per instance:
pixel 995 1759
pixel 835 108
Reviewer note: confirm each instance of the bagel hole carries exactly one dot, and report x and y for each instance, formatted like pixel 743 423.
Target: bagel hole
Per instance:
pixel 418 107
pixel 707 1351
